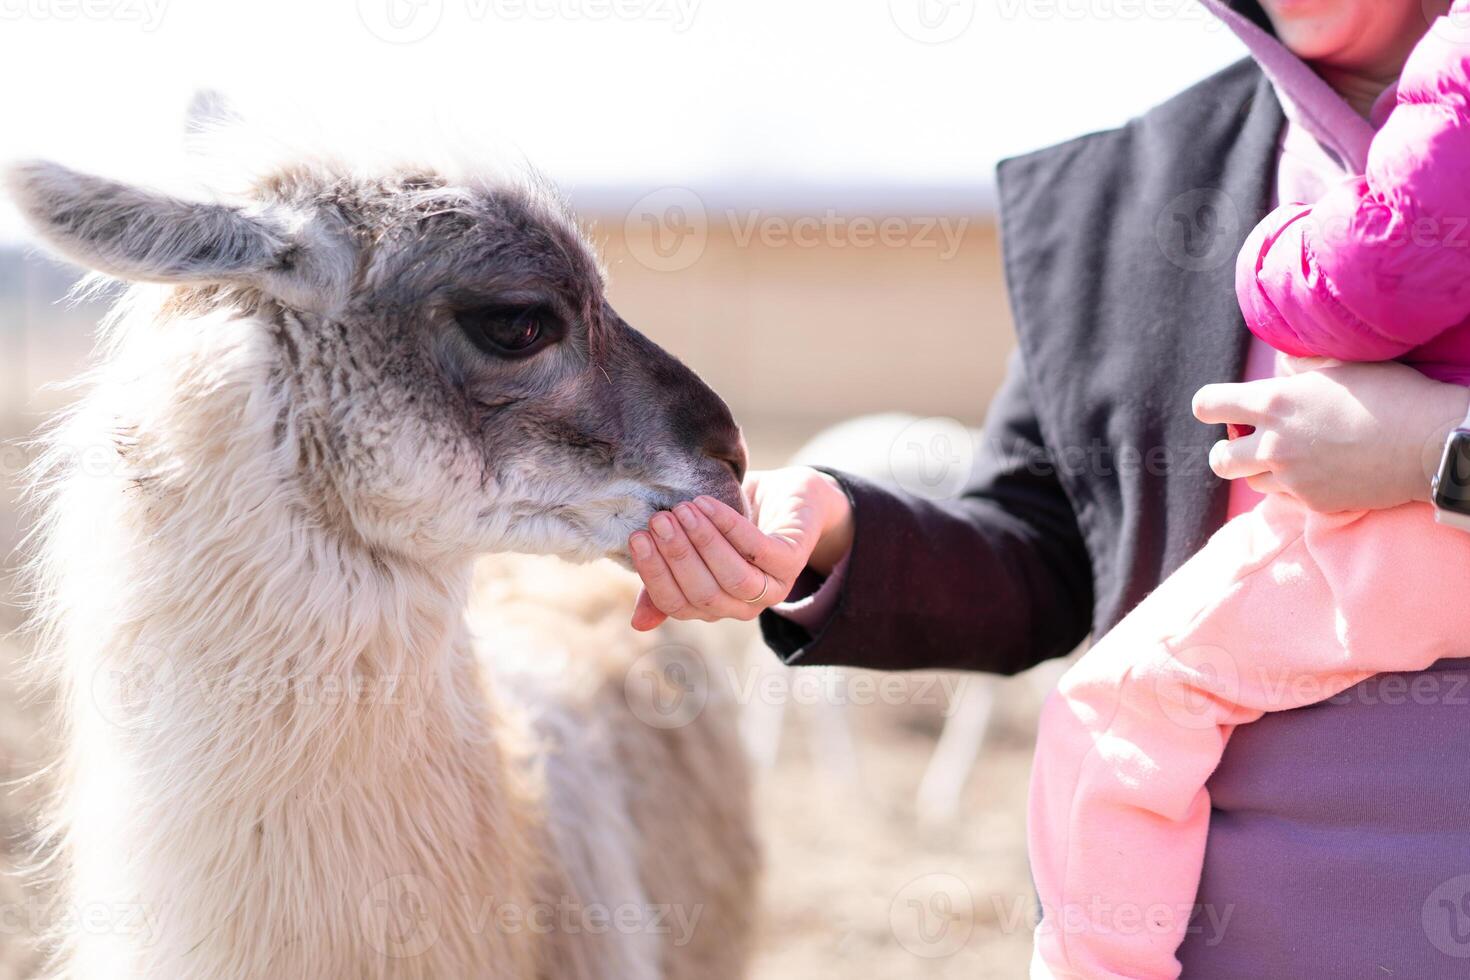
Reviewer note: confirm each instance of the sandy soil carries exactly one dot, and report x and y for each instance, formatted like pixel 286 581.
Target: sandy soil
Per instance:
pixel 856 889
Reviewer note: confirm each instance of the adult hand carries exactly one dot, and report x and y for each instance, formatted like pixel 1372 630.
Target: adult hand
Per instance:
pixel 1336 436
pixel 705 561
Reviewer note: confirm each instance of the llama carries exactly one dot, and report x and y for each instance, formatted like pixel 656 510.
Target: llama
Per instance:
pixel 284 756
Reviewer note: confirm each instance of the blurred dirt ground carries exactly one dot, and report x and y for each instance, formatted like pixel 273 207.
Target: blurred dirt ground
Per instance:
pixel 855 889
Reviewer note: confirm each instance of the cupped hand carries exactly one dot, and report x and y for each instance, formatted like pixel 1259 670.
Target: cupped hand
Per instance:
pixel 1336 436
pixel 705 561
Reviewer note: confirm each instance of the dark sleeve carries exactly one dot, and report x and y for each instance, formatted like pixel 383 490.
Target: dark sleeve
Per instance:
pixel 997 580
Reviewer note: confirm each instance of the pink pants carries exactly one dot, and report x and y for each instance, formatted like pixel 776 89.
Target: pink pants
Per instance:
pixel 1281 609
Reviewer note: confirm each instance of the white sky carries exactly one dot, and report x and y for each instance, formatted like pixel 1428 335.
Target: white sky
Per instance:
pixel 805 103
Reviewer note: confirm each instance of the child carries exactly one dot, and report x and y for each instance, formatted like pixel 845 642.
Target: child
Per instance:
pixel 1283 607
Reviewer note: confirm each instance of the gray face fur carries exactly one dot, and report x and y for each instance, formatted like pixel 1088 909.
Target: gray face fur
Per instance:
pixel 393 305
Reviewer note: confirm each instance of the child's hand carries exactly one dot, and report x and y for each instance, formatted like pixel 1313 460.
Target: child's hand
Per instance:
pixel 1336 436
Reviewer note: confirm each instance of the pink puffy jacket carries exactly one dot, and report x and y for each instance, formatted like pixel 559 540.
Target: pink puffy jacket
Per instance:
pixel 1379 269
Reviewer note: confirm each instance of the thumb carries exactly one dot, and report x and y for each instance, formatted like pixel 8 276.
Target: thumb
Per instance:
pixel 646 615
pixel 1286 365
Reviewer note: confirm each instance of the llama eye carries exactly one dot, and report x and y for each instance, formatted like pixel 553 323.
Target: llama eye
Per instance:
pixel 506 332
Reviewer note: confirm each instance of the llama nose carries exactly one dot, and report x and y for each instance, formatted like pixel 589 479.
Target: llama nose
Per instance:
pixel 728 446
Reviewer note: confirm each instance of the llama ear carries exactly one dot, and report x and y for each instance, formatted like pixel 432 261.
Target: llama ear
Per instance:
pixel 133 233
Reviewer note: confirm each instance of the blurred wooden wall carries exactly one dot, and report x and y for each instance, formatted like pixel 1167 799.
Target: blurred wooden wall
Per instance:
pixel 799 327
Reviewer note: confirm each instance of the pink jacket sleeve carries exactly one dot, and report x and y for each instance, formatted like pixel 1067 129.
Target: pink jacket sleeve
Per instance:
pixel 1381 265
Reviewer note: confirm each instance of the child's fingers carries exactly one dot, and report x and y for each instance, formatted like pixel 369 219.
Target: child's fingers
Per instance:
pixel 1265 483
pixel 1220 403
pixel 1286 365
pixel 1234 459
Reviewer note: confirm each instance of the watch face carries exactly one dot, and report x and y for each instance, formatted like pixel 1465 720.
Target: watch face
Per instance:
pixel 1452 488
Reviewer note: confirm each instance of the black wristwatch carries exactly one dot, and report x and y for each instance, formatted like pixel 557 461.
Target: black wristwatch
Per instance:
pixel 1450 491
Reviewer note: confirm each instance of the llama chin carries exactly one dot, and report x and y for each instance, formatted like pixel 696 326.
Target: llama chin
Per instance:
pixel 285 746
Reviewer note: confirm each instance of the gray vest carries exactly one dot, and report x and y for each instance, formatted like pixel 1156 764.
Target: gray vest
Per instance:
pixel 1120 261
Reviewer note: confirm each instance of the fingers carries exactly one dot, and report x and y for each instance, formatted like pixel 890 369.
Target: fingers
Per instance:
pixel 695 582
pixel 679 583
pixel 1221 403
pixel 646 615
pixel 752 544
pixel 736 576
pixel 1235 459
pixel 659 586
pixel 1286 365
pixel 1266 483
pixel 707 561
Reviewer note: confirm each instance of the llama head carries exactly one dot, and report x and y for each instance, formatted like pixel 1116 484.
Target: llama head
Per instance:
pixel 441 357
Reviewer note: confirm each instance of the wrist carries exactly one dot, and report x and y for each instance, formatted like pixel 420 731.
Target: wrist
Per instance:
pixel 835 538
pixel 1445 412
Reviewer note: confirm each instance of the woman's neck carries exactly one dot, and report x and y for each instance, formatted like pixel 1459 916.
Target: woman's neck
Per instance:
pixel 1362 71
pixel 1359 89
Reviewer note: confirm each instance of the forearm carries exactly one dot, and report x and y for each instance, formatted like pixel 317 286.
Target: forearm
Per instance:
pixel 957 584
pixel 835 541
pixel 1428 422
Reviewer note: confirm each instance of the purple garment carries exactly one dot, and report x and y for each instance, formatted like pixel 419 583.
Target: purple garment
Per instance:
pixel 1355 869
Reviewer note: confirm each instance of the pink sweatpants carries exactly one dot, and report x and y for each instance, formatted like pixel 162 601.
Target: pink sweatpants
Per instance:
pixel 1281 609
